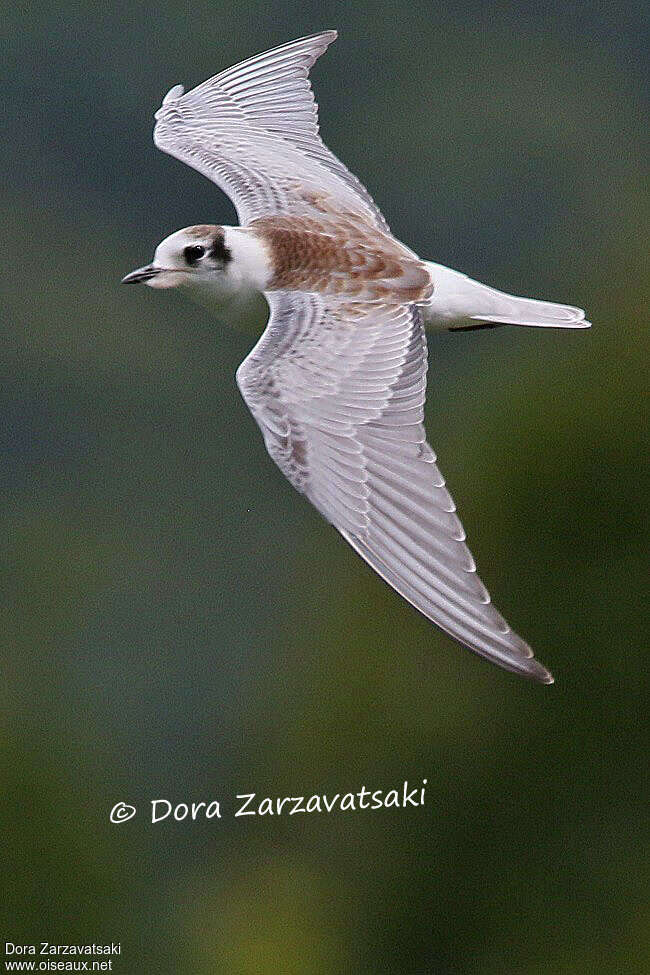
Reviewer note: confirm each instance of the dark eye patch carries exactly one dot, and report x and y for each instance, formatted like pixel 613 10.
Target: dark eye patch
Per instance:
pixel 220 252
pixel 193 253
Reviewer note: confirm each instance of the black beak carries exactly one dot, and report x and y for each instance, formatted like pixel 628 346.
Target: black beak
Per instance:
pixel 141 274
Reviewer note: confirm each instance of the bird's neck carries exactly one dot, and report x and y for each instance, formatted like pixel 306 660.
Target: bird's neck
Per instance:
pixel 250 268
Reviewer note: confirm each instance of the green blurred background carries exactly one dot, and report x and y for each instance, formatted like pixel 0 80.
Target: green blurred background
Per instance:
pixel 179 623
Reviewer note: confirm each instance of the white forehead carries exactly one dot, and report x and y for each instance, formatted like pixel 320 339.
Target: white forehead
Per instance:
pixel 171 248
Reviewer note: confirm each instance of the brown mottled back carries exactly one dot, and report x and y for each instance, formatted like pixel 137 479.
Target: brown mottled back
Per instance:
pixel 342 256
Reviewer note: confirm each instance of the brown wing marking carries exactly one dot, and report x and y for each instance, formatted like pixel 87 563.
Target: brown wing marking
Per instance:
pixel 341 255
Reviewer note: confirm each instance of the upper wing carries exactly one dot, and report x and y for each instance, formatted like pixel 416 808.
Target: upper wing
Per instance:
pixel 253 129
pixel 338 389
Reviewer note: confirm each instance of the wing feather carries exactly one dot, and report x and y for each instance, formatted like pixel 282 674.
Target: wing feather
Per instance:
pixel 350 398
pixel 253 130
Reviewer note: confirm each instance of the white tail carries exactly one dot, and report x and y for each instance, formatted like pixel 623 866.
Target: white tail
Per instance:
pixel 458 303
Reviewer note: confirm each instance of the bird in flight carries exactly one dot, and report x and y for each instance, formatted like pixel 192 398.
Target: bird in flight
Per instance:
pixel 337 381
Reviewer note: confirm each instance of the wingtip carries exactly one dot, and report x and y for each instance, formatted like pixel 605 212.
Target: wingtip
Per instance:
pixel 538 672
pixel 326 37
pixel 311 46
pixel 173 95
pixel 529 668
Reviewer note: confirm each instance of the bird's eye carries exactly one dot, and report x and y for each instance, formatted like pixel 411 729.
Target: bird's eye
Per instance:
pixel 194 253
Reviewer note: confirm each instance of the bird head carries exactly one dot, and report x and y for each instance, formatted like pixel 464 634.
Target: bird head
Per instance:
pixel 192 257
